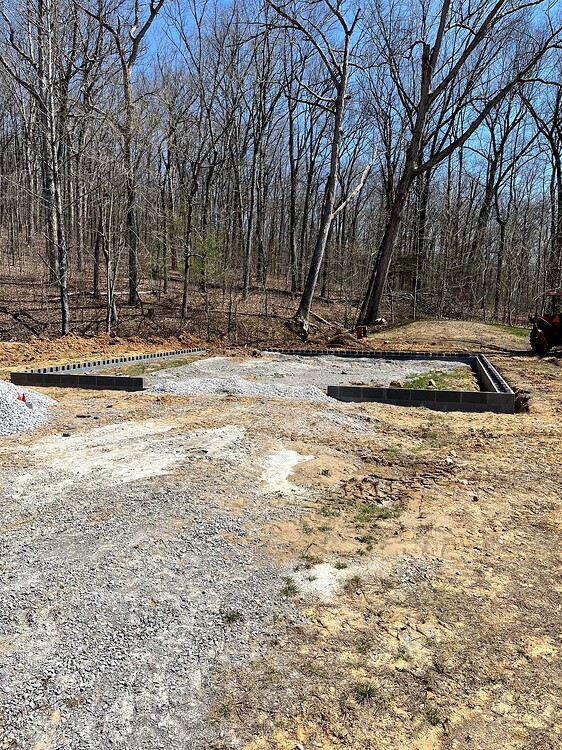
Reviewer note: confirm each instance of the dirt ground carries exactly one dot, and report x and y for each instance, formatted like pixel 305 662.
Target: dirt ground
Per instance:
pixel 29 309
pixel 451 335
pixel 409 562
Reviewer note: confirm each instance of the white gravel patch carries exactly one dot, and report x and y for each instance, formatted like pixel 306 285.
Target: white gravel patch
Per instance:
pixel 285 376
pixel 17 416
pixel 278 468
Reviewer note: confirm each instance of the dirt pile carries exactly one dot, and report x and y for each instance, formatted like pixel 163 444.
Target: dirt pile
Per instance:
pixel 40 352
pixel 344 340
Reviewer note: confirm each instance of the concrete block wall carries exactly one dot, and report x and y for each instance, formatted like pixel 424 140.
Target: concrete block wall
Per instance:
pixel 68 380
pixel 467 401
pixel 69 376
pixel 370 354
pixel 495 394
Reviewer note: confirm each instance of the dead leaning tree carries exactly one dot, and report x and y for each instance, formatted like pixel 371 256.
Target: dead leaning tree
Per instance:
pixel 463 64
pixel 336 63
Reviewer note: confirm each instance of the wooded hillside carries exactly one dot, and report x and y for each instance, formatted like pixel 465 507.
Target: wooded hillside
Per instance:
pixel 184 154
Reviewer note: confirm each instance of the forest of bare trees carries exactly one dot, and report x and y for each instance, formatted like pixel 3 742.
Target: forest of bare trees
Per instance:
pixel 386 155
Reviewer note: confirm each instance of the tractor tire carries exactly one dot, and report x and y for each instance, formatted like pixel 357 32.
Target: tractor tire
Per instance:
pixel 539 342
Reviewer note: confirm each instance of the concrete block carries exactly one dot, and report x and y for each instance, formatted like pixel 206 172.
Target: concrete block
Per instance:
pixel 398 394
pixel 344 392
pixel 423 394
pixel 20 378
pixel 468 397
pixel 87 381
pixel 448 396
pixel 373 392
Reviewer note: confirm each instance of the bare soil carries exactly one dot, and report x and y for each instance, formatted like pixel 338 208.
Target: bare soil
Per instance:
pixel 419 550
pixel 450 335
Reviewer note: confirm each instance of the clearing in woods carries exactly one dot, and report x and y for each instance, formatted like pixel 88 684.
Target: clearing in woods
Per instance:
pixel 243 572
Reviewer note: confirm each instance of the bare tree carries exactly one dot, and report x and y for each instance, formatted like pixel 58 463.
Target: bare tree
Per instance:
pixel 332 95
pixel 546 110
pixel 39 52
pixel 450 64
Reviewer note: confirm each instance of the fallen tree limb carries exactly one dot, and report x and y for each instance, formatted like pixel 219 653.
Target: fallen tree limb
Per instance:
pixel 320 319
pixel 17 315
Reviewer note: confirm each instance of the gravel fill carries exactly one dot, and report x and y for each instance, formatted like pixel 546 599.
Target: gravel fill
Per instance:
pixel 285 376
pixel 235 386
pixel 17 416
pixel 115 594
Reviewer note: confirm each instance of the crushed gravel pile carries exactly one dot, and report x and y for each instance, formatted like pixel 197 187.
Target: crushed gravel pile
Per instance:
pixel 236 386
pixel 17 415
pixel 284 376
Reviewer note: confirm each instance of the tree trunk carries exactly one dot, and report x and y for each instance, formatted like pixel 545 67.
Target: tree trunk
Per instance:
pixel 372 300
pixel 131 194
pixel 292 201
pixel 373 297
pixel 303 311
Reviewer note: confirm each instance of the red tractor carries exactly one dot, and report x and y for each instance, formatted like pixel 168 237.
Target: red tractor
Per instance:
pixel 547 327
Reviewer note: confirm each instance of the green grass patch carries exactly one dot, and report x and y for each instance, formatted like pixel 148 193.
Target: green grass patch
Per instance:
pixel 519 331
pixel 365 645
pixel 309 561
pixel 364 692
pixel 369 512
pixel 230 616
pixel 329 512
pixel 458 379
pixel 289 587
pixel 394 455
pixel 367 540
pixel 434 717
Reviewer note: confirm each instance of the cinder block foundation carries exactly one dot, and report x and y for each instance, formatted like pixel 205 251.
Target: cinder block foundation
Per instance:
pixel 69 376
pixel 495 394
